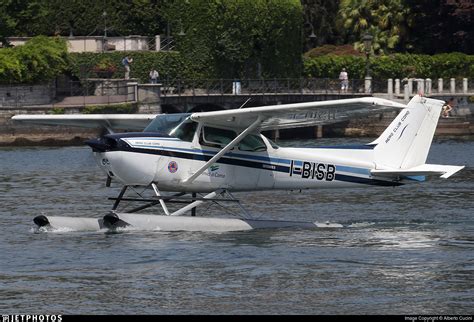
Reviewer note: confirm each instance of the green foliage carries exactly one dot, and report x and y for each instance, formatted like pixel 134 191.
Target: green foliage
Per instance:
pixel 418 26
pixel 57 110
pixel 238 38
pixel 82 17
pixel 319 18
pixel 105 67
pixel 393 66
pixel 10 66
pixel 125 108
pixel 168 64
pixel 7 22
pixel 441 26
pixel 330 66
pixel 386 20
pixel 343 50
pixel 40 59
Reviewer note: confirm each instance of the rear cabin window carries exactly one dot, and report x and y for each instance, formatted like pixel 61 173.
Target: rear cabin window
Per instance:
pixel 252 143
pixel 215 137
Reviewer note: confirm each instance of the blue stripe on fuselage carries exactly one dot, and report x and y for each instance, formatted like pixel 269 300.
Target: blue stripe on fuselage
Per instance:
pixel 231 159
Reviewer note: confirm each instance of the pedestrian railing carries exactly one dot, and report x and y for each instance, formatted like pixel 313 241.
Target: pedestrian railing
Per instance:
pixel 280 86
pixel 113 91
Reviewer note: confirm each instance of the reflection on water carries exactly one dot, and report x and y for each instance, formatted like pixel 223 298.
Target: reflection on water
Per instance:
pixel 402 250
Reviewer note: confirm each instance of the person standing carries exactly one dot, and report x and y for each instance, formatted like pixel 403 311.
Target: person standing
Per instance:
pixel 344 78
pixel 126 64
pixel 154 75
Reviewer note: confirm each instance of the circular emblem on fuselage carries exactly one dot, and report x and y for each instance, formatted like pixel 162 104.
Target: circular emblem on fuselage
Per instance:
pixel 172 167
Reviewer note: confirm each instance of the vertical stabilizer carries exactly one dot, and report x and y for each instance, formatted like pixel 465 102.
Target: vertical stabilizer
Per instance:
pixel 407 140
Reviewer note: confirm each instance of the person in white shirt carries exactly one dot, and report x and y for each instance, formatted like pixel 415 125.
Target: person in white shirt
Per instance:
pixel 154 76
pixel 344 78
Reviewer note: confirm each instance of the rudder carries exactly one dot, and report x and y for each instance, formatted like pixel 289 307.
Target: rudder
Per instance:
pixel 405 143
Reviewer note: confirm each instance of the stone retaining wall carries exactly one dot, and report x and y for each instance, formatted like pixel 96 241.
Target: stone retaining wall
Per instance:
pixel 24 95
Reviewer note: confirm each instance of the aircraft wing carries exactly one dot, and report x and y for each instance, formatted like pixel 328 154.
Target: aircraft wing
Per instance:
pixel 109 121
pixel 298 114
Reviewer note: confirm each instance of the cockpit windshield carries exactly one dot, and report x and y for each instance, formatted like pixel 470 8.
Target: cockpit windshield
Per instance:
pixel 184 131
pixel 165 123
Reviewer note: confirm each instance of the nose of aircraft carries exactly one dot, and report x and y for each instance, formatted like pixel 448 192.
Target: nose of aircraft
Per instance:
pixel 103 144
pixel 122 162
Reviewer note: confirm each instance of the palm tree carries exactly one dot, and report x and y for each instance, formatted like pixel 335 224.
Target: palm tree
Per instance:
pixel 386 20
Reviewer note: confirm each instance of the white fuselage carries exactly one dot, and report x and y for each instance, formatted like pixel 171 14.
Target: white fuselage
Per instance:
pixel 168 162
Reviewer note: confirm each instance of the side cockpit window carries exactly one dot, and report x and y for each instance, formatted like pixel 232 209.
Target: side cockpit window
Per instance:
pixel 185 131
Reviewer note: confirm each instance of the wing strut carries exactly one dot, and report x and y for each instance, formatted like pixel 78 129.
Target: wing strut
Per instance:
pixel 229 146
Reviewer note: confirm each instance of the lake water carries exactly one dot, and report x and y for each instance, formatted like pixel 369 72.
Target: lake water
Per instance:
pixel 404 250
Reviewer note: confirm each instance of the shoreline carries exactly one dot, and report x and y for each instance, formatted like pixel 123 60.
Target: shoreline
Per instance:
pixel 14 134
pixel 21 135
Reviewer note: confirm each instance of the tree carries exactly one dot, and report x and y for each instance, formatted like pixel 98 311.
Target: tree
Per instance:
pixel 386 20
pixel 40 59
pixel 445 27
pixel 238 38
pixel 82 17
pixel 7 22
pixel 319 18
pixel 142 17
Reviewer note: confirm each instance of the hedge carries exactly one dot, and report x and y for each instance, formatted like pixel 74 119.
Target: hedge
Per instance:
pixel 168 64
pixel 455 65
pixel 239 38
pixel 43 59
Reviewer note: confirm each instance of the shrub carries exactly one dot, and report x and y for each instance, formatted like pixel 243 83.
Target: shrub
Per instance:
pixel 392 66
pixel 342 50
pixel 40 59
pixel 105 67
pixel 125 108
pixel 57 110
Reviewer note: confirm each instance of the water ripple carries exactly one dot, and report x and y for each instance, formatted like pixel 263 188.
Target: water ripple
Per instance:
pixel 403 250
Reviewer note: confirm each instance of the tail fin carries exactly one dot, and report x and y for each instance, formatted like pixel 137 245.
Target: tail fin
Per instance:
pixel 406 141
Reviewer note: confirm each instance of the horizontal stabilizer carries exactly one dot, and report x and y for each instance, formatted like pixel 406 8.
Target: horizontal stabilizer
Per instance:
pixel 422 170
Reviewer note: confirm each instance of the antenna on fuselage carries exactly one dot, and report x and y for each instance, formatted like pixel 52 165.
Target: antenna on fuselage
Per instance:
pixel 248 99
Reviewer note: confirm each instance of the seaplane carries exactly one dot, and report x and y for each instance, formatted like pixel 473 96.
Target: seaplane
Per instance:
pixel 204 157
